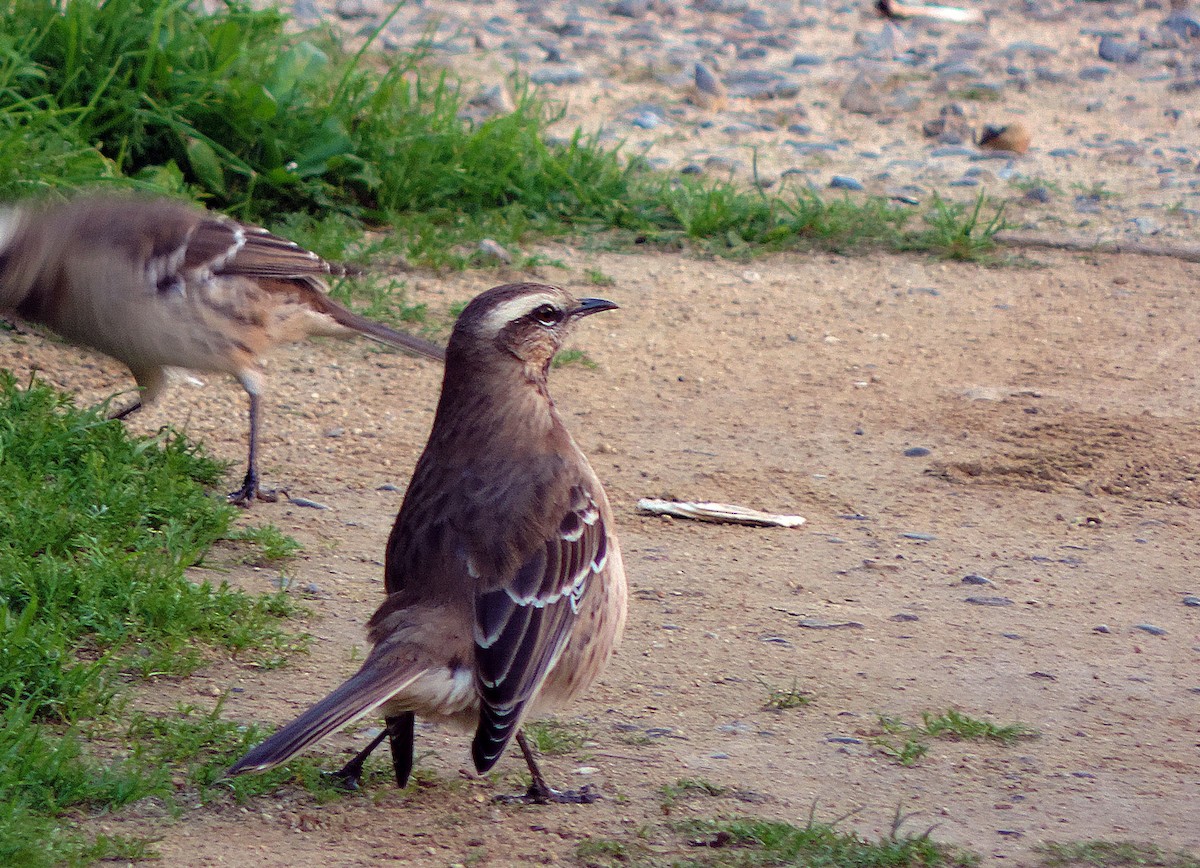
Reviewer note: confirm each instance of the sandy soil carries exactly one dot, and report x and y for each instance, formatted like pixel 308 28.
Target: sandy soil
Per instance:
pixel 1057 403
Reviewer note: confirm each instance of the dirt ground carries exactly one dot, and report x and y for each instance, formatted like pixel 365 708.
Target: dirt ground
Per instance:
pixel 1057 404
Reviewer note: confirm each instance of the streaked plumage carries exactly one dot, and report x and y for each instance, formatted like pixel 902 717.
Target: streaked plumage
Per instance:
pixel 506 591
pixel 155 283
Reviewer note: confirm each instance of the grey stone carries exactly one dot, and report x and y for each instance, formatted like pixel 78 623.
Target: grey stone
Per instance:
pixel 862 97
pixel 845 182
pixel 1151 629
pixel 1184 24
pixel 1116 51
pixel 808 60
pixel 630 8
pixel 989 601
pixel 1095 73
pixel 558 75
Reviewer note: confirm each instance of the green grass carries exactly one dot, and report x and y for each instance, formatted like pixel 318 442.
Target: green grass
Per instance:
pixel 671 794
pixel 783 698
pixel 1111 854
pixel 906 743
pixel 97 532
pixel 557 737
pixel 749 841
pixel 288 128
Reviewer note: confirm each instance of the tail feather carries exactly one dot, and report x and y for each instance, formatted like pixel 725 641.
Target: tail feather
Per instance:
pixel 364 692
pixel 316 297
pixel 379 332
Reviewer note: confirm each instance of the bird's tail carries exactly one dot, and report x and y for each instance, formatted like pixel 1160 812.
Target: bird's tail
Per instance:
pixel 379 332
pixel 364 692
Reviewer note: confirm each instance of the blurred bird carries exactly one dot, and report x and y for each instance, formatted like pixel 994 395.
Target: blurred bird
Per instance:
pixel 156 283
pixel 506 591
pixel 1013 137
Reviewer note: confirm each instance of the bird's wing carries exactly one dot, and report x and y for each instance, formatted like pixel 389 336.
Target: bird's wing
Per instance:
pixel 523 621
pixel 224 247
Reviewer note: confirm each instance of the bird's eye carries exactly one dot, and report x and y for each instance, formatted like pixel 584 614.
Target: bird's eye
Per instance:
pixel 547 315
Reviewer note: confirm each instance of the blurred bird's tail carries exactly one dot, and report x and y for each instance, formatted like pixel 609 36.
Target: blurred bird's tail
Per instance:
pixel 364 692
pixel 379 332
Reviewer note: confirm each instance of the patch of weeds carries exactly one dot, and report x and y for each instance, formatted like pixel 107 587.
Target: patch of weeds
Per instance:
pixel 959 232
pixel 1095 190
pixel 269 544
pixel 1025 184
pixel 1109 854
pixel 906 751
pixel 906 743
pixel 955 724
pixel 596 277
pixel 751 841
pixel 978 94
pixel 602 853
pixel 670 794
pixel 557 737
pixel 574 357
pixel 782 698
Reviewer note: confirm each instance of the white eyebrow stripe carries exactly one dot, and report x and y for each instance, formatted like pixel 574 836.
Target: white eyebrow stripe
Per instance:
pixel 503 314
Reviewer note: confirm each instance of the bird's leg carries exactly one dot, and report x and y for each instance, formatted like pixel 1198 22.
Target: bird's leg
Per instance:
pixel 127 411
pixel 541 793
pixel 400 730
pixel 350 774
pixel 250 491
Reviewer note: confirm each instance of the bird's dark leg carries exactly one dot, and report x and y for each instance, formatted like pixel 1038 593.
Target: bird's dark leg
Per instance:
pixel 350 774
pixel 541 793
pixel 126 412
pixel 399 730
pixel 250 491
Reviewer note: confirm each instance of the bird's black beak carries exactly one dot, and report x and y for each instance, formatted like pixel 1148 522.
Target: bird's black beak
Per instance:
pixel 593 305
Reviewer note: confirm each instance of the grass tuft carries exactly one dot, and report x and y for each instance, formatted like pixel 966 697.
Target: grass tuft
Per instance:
pixel 1111 854
pixel 906 744
pixel 97 533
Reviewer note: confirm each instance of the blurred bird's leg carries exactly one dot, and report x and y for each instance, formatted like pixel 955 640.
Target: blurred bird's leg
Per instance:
pixel 150 382
pixel 249 492
pixel 541 793
pixel 400 730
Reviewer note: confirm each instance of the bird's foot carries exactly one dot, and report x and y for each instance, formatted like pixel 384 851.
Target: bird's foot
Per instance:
pixel 347 777
pixel 585 795
pixel 250 492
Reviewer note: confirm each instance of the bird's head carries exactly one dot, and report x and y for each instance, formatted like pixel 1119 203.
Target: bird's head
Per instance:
pixel 525 321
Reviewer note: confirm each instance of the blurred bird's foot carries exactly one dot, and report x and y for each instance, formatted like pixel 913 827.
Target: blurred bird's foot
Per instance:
pixel 544 795
pixel 250 492
pixel 124 412
pixel 346 778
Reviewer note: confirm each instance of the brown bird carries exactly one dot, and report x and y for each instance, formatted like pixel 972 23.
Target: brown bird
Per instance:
pixel 506 592
pixel 156 283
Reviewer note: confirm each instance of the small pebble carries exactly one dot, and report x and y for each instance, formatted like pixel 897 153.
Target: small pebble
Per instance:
pixel 305 502
pixel 916 452
pixel 1151 629
pixel 845 182
pixel 903 617
pixel 1191 600
pixel 1101 628
pixel 923 537
pixel 844 739
pixel 989 601
pixel 976 579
